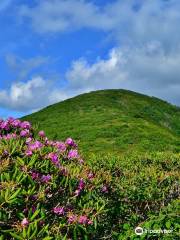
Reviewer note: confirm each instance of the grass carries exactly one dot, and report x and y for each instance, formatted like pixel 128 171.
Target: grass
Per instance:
pixel 133 140
pixel 113 121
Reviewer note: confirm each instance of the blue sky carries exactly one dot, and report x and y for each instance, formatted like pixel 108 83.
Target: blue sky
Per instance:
pixel 51 50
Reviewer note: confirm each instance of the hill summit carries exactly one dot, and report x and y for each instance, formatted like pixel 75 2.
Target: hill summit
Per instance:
pixel 112 121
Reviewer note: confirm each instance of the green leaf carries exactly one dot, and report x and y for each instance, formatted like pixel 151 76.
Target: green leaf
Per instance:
pixel 126 226
pixel 24 232
pixel 15 194
pixel 16 236
pixel 35 214
pixel 168 224
pixel 32 161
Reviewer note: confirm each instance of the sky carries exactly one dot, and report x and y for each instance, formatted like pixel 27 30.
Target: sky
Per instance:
pixel 51 50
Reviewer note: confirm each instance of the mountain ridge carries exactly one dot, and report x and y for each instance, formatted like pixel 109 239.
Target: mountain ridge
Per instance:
pixel 114 120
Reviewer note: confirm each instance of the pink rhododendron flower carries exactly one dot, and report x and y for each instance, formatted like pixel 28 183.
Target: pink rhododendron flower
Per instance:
pixel 73 154
pixel 54 158
pixel 70 142
pixel 35 175
pixel 6 153
pixel 28 140
pixel 81 184
pixel 25 222
pixel 77 192
pixel 25 125
pixel 104 189
pixel 59 210
pixel 90 176
pixel 16 123
pixel 80 187
pixel 50 143
pixel 10 120
pixel 72 218
pixel 46 178
pixel 81 161
pixel 34 146
pixel 24 133
pixel 5 125
pixel 41 134
pixel 10 136
pixel 90 222
pixel 83 220
pixel 61 146
pixel 28 153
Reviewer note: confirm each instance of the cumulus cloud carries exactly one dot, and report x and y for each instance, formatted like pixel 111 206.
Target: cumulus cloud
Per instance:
pixel 33 94
pixel 64 15
pixel 128 21
pixel 149 70
pixel 145 57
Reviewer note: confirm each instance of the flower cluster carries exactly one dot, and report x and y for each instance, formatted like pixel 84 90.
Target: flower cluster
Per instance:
pixel 52 184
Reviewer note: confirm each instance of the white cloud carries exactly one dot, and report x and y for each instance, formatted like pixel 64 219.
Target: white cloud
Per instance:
pixel 33 94
pixel 146 57
pixel 152 20
pixel 148 70
pixel 64 15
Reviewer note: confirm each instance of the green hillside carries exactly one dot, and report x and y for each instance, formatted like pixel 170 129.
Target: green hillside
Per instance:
pixel 113 121
pixel 130 144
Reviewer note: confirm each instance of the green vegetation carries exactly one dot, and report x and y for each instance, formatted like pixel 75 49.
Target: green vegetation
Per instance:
pixel 130 143
pixel 113 121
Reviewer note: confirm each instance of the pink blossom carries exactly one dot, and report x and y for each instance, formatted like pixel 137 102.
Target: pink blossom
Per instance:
pixel 72 218
pixel 35 175
pixel 54 158
pixel 10 120
pixel 81 161
pixel 24 133
pixel 83 220
pixel 25 125
pixel 10 136
pixel 28 153
pixel 28 140
pixel 25 222
pixel 81 184
pixel 50 143
pixel 46 178
pixel 5 125
pixel 90 176
pixel 70 142
pixel 34 146
pixel 80 187
pixel 16 123
pixel 41 134
pixel 104 189
pixel 59 210
pixel 72 154
pixel 77 192
pixel 90 222
pixel 61 146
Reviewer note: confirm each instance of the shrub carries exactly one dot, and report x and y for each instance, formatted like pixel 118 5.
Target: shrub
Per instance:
pixel 47 191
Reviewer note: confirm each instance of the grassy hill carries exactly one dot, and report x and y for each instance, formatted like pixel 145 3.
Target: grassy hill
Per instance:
pixel 131 146
pixel 113 121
